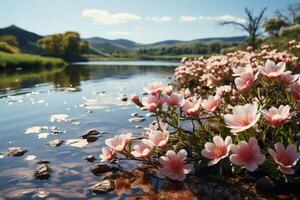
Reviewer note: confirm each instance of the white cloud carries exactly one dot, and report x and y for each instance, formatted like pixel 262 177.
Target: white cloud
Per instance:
pixel 223 18
pixel 187 18
pixel 105 18
pixel 210 18
pixel 159 19
pixel 117 33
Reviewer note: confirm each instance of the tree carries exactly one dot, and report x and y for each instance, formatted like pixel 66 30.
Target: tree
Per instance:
pixel 84 47
pixel 273 25
pixel 294 11
pixel 251 26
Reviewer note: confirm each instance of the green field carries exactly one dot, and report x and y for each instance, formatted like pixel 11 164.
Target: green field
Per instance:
pixel 28 61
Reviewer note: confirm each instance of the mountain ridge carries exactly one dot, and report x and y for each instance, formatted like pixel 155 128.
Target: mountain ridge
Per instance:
pixel 27 41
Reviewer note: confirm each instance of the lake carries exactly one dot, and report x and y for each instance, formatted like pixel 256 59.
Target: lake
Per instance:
pixel 86 92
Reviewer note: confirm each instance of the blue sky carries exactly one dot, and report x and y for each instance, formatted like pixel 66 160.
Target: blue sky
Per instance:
pixel 143 21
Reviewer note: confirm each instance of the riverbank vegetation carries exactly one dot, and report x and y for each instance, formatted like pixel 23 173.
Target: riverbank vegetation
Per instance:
pixel 19 60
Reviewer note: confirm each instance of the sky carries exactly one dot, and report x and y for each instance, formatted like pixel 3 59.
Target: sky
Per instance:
pixel 143 21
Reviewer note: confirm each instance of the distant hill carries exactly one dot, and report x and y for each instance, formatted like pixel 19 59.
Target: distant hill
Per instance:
pixel 110 46
pixel 101 46
pixel 27 40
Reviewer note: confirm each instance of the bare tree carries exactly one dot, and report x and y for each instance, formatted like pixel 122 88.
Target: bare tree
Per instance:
pixel 294 10
pixel 251 26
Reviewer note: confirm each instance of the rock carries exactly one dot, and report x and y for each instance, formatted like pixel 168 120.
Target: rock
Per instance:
pixel 102 168
pixel 122 98
pixel 150 114
pixel 144 93
pixel 79 143
pixel 103 187
pixel 42 172
pixel 91 135
pixel 134 115
pixel 143 108
pixel 136 119
pixel 55 143
pixel 42 162
pixel 90 158
pixel 30 157
pixel 265 185
pixel 139 127
pixel 16 151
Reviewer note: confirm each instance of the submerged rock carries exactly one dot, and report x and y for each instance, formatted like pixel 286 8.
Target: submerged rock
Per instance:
pixel 91 135
pixel 79 143
pixel 103 187
pixel 55 143
pixel 137 119
pixel 42 162
pixel 16 151
pixel 90 158
pixel 100 169
pixel 42 172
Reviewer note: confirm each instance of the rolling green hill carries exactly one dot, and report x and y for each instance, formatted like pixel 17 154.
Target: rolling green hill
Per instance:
pixel 27 40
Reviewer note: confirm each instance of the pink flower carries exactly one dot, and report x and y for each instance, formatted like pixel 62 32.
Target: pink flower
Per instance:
pixel 155 88
pixel 247 154
pixel 159 138
pixel 117 143
pixel 152 102
pixel 168 89
pixel 154 127
pixel 271 70
pixel 295 88
pixel 242 117
pixel 174 100
pixel 212 103
pixel 128 137
pixel 143 149
pixel 174 165
pixel 277 116
pixel 221 90
pixel 217 150
pixel 288 77
pixel 107 154
pixel 136 100
pixel 285 158
pixel 191 106
pixel 246 79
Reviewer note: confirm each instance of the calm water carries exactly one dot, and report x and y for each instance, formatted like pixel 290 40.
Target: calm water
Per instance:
pixel 29 98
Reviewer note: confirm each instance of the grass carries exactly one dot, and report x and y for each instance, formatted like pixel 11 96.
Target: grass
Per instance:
pixel 28 61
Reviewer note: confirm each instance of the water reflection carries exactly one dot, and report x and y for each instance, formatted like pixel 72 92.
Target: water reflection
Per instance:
pixel 72 75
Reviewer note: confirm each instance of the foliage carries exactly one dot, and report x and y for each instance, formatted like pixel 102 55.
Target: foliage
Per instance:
pixel 27 61
pixel 8 48
pixel 67 46
pixel 273 25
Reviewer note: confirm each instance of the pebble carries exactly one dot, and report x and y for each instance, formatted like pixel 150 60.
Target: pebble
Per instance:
pixel 42 172
pixel 16 151
pixel 102 168
pixel 90 158
pixel 91 135
pixel 55 143
pixel 102 187
pixel 137 119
